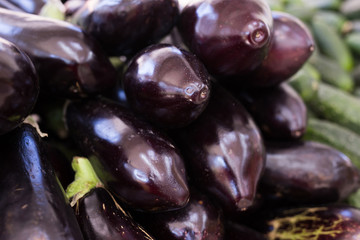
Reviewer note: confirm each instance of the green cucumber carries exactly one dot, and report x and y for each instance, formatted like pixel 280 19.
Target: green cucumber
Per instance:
pixel 330 43
pixel 332 18
pixel 336 136
pixel 353 41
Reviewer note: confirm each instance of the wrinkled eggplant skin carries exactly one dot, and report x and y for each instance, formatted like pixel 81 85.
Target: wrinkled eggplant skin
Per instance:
pixel 291 46
pixel 230 37
pixel 224 152
pixel 331 222
pixel 168 86
pixel 138 23
pixel 69 63
pixel 279 111
pixel 137 162
pixel 199 219
pixel 19 86
pixel 100 218
pixel 34 206
pixel 236 231
pixel 308 172
pixel 28 6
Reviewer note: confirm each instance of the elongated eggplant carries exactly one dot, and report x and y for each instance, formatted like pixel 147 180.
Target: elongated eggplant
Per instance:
pixel 333 222
pixel 68 62
pixel 19 86
pixel 224 152
pixel 237 231
pixel 167 85
pixel 28 6
pixel 199 219
pixel 308 172
pixel 231 37
pixel 279 111
pixel 137 162
pixel 291 46
pixel 101 218
pixel 138 23
pixel 33 204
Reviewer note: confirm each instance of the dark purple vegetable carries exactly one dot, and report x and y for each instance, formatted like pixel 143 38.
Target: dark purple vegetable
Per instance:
pixel 167 85
pixel 68 62
pixel 199 219
pixel 279 111
pixel 336 222
pixel 224 152
pixel 308 172
pixel 102 218
pixel 241 232
pixel 28 6
pixel 125 27
pixel 292 44
pixel 231 37
pixel 19 86
pixel 33 204
pixel 138 163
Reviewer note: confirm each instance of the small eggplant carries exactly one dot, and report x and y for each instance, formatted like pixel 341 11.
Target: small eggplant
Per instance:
pixel 308 172
pixel 135 161
pixel 199 219
pixel 137 23
pixel 19 86
pixel 279 111
pixel 69 63
pixel 33 204
pixel 224 152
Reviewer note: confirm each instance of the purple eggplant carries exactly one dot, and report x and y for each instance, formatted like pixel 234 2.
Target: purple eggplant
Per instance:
pixel 27 6
pixel 224 152
pixel 68 62
pixel 135 161
pixel 230 37
pixel 33 204
pixel 199 219
pixel 19 86
pixel 102 218
pixel 279 111
pixel 167 85
pixel 292 45
pixel 125 27
pixel 308 172
pixel 241 232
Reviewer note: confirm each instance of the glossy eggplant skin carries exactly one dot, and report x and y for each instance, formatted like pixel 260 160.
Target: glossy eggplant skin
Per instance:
pixel 308 172
pixel 135 161
pixel 279 111
pixel 241 232
pixel 33 204
pixel 138 23
pixel 331 222
pixel 230 37
pixel 199 219
pixel 101 218
pixel 19 86
pixel 167 85
pixel 28 6
pixel 224 152
pixel 69 63
pixel 291 46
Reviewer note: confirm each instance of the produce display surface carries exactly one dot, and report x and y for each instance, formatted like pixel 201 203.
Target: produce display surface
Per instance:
pixel 179 119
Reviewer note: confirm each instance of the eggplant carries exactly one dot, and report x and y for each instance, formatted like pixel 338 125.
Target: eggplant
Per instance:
pixel 241 232
pixel 199 219
pixel 308 172
pixel 33 204
pixel 138 23
pixel 279 111
pixel 69 63
pixel 138 163
pixel 19 86
pixel 28 6
pixel 223 152
pixel 102 218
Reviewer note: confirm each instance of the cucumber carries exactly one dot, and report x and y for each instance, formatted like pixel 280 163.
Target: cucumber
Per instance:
pixel 332 73
pixel 330 43
pixel 353 41
pixel 336 136
pixel 332 18
pixel 329 102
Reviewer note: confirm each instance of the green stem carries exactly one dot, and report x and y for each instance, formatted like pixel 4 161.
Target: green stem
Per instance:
pixel 85 179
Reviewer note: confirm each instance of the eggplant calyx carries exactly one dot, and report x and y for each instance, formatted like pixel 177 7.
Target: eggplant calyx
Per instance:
pixel 85 180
